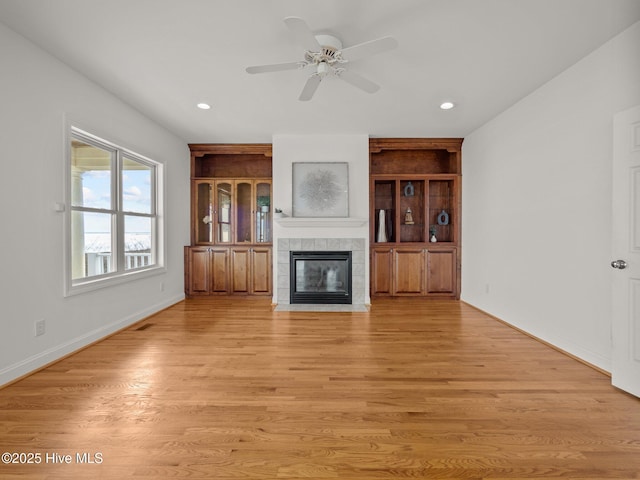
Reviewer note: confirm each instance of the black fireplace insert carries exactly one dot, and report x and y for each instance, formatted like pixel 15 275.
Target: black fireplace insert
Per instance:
pixel 320 277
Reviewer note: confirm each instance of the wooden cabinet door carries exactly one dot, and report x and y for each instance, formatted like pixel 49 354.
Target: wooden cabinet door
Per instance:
pixel 251 270
pixel 381 271
pixel 240 270
pixel 199 271
pixel 441 272
pixel 220 274
pixel 261 271
pixel 408 272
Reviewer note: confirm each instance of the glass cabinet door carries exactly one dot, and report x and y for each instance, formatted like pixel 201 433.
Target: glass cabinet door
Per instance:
pixel 263 212
pixel 243 211
pixel 204 212
pixel 232 211
pixel 224 199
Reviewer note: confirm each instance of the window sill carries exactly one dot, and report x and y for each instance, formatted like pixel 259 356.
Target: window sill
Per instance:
pixel 90 285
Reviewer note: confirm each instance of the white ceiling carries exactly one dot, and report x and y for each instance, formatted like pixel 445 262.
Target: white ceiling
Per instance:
pixel 164 56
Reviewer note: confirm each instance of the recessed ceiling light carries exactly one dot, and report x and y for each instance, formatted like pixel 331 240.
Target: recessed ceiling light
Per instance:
pixel 204 106
pixel 447 105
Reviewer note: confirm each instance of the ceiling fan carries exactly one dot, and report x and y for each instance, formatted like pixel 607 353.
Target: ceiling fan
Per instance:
pixel 327 57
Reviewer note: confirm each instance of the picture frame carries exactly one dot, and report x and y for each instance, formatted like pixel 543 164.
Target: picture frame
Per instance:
pixel 320 189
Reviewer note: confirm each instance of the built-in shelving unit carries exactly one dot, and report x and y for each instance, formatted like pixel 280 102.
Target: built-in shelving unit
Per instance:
pixel 231 220
pixel 415 217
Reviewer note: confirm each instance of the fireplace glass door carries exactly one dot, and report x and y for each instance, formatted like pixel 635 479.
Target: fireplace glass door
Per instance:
pixel 321 277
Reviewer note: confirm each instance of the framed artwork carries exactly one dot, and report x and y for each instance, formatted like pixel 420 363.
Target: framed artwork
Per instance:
pixel 320 189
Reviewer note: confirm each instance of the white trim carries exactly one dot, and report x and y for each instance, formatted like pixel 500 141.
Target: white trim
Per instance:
pixel 96 283
pixel 158 234
pixel 39 360
pixel 320 222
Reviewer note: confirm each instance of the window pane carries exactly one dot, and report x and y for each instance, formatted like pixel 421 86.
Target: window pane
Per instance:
pixel 91 244
pixel 90 175
pixel 137 242
pixel 136 186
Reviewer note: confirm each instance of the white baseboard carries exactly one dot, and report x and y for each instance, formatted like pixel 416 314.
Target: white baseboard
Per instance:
pixel 46 357
pixel 577 352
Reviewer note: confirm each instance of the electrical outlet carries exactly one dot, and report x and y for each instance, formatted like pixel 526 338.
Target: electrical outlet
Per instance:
pixel 162 286
pixel 40 328
pixel 487 288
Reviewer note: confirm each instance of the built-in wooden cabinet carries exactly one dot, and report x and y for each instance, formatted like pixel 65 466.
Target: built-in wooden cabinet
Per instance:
pixel 228 270
pixel 251 269
pixel 414 271
pixel 415 217
pixel 231 220
pixel 207 270
pixel 414 225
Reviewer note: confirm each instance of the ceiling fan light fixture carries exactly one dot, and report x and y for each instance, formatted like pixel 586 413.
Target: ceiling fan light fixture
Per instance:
pixel 323 68
pixel 203 106
pixel 447 105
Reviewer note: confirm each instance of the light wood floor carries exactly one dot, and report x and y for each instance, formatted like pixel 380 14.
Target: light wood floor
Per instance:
pixel 229 389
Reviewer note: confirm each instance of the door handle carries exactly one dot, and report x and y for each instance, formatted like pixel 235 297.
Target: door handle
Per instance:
pixel 620 264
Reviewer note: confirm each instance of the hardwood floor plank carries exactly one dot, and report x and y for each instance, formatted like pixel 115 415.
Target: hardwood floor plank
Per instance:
pixel 227 388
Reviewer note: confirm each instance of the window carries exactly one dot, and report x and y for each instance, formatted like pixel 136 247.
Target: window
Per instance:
pixel 113 222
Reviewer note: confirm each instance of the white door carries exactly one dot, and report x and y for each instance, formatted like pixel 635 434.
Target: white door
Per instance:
pixel 626 251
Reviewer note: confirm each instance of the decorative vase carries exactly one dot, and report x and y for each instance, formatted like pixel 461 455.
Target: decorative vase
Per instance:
pixel 382 227
pixel 443 218
pixel 433 238
pixel 409 190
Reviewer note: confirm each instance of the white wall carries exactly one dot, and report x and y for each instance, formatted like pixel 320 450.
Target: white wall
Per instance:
pixel 537 203
pixel 37 92
pixel 353 149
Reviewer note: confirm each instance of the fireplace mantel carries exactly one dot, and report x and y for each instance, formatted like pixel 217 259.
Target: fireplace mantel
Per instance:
pixel 337 222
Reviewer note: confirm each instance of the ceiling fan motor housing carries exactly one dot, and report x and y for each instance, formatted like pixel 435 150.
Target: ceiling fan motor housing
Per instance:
pixel 330 48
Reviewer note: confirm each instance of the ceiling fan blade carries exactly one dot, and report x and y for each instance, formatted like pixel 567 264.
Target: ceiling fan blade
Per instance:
pixel 369 48
pixel 310 87
pixel 302 32
pixel 358 81
pixel 276 67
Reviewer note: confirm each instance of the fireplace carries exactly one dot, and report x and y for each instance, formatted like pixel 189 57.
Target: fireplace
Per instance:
pixel 320 277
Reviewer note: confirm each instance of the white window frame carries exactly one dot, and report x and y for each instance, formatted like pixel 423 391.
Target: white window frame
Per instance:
pixel 120 274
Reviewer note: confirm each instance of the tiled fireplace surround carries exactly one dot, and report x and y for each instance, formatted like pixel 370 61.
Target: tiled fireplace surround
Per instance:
pixel 355 245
